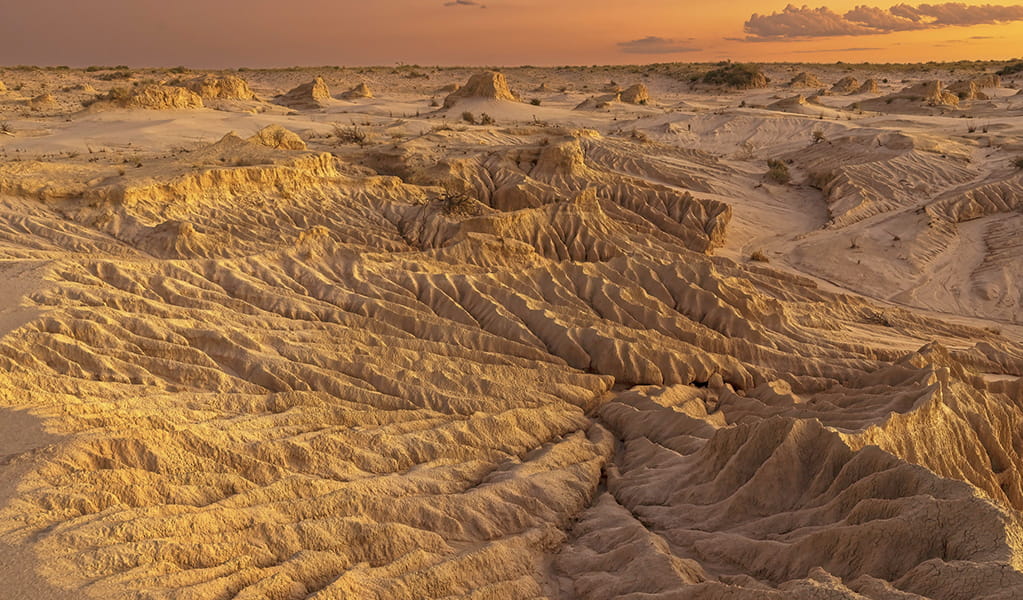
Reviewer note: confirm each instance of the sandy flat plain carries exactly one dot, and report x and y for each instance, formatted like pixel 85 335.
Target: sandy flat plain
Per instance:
pixel 580 332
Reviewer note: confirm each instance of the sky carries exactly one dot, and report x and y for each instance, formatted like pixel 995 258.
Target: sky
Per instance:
pixel 280 33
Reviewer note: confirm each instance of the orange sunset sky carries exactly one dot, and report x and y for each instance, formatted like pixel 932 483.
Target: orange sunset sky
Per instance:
pixel 226 33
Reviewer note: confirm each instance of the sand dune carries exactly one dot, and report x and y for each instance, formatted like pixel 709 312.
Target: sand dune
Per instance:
pixel 371 350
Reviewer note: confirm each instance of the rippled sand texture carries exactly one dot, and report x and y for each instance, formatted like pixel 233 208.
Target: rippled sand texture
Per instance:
pixel 527 359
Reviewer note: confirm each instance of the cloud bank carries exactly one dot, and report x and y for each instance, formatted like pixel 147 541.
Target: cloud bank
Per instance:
pixel 806 22
pixel 656 45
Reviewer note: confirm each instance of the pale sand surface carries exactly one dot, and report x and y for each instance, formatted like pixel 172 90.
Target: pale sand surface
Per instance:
pixel 310 333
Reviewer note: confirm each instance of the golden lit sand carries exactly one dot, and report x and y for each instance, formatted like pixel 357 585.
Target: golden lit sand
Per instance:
pixel 545 333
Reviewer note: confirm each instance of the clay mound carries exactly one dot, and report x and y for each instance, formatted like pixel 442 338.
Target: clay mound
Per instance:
pixel 599 102
pixel 160 97
pixel 447 89
pixel 799 104
pixel 636 94
pixel 173 239
pixel 970 89
pixel 845 85
pixel 806 80
pixel 3 88
pixel 869 86
pixel 220 87
pixel 360 91
pixel 44 101
pixel 84 88
pixel 314 94
pixel 788 103
pixel 275 136
pixel 543 87
pixel 489 85
pixel 988 80
pixel 967 90
pixel 926 93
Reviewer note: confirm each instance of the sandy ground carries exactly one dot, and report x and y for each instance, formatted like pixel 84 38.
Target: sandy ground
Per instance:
pixel 269 334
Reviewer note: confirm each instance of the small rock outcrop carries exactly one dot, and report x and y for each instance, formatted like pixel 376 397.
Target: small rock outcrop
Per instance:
pixel 636 94
pixel 360 91
pixel 970 89
pixel 44 101
pixel 845 85
pixel 598 102
pixel 806 80
pixel 314 94
pixel 869 87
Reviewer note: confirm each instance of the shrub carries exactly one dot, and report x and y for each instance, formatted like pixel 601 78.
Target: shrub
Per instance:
pixel 5 127
pixel 1018 163
pixel 639 136
pixel 118 94
pixel 1011 69
pixel 535 102
pixel 778 171
pixel 737 75
pixel 820 179
pixel 759 256
pixel 817 136
pixel 457 200
pixel 486 119
pixel 468 117
pixel 115 75
pixel 350 134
